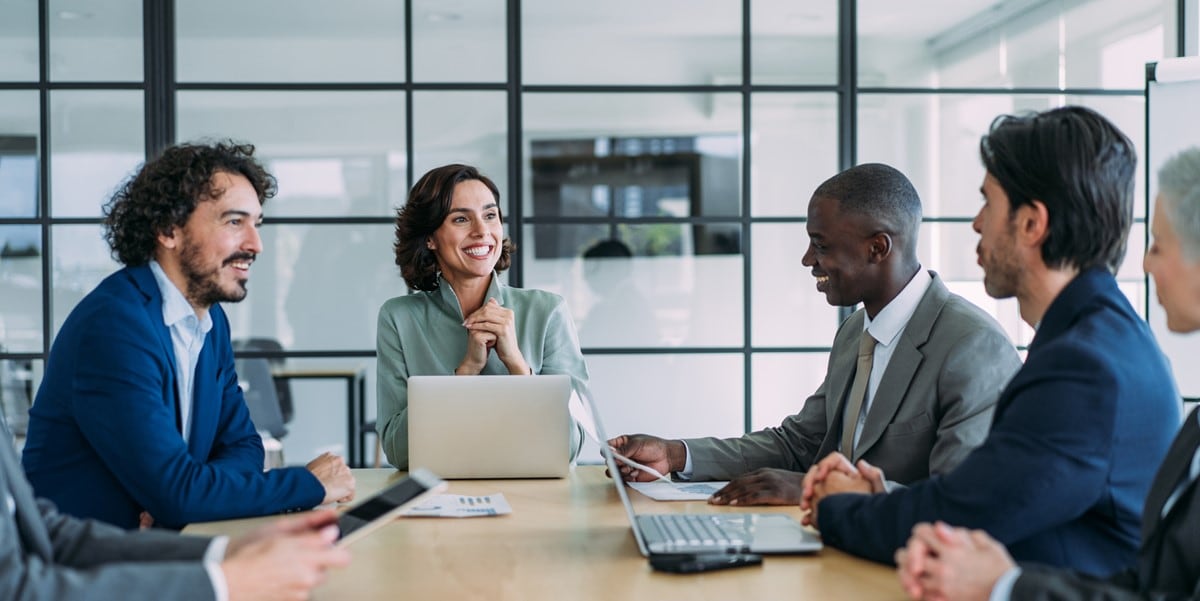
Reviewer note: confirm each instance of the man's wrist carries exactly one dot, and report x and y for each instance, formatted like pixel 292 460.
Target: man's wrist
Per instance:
pixel 676 455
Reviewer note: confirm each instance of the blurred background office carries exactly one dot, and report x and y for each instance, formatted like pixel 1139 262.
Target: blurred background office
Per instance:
pixel 691 131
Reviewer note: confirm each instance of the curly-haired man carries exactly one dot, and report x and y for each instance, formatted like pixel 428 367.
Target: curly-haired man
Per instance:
pixel 140 419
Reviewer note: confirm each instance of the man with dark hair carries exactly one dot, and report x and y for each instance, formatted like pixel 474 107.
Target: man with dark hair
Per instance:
pixel 941 562
pixel 1063 473
pixel 913 375
pixel 139 418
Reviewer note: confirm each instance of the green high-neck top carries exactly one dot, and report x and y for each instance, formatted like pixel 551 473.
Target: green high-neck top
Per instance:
pixel 422 334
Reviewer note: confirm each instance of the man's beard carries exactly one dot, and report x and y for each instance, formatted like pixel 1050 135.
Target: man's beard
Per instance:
pixel 204 285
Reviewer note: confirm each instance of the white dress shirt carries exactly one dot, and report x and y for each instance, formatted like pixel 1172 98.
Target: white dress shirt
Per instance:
pixel 187 338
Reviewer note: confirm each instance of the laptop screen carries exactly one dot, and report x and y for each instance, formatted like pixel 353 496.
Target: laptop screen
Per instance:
pixel 611 462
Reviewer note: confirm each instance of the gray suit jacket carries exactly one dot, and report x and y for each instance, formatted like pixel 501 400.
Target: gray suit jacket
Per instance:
pixel 1168 562
pixel 47 555
pixel 934 403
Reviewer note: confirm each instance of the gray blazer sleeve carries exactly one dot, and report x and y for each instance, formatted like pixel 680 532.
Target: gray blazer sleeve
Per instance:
pixel 95 561
pixel 1039 583
pixel 793 445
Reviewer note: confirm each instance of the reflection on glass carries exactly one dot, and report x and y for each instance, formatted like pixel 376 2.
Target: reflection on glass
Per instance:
pixel 674 396
pixel 289 41
pixel 18 385
pixel 631 42
pixel 80 260
pixel 794 148
pixel 20 288
pixel 934 139
pixel 793 42
pixel 459 42
pixel 1089 44
pixel 692 300
pixel 333 153
pixel 97 141
pixel 780 384
pixel 19 42
pixel 318 287
pixel 635 177
pixel 93 41
pixel 19 129
pixel 633 155
pixel 462 127
pixel 787 310
pixel 18 176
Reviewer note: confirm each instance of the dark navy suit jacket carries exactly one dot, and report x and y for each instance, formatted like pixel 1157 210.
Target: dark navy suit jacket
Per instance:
pixel 1063 473
pixel 104 441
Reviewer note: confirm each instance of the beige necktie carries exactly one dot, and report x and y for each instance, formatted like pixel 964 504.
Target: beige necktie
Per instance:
pixel 858 392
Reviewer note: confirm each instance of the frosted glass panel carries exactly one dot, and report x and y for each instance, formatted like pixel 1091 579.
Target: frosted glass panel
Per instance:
pixel 787 309
pixel 289 41
pixel 794 148
pixel 677 300
pixel 969 43
pixel 780 384
pixel 934 139
pixel 673 396
pixel 334 153
pixel 631 42
pixel 21 251
pixel 97 142
pixel 95 41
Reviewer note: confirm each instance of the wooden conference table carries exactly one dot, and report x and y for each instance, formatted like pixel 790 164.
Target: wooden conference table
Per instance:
pixel 566 538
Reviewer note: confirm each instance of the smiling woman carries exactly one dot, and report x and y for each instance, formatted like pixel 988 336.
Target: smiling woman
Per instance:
pixel 450 247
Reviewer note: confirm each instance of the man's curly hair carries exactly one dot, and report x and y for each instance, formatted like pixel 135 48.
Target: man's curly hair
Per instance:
pixel 166 190
pixel 427 206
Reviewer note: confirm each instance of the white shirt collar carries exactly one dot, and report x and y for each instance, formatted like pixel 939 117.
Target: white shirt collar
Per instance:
pixel 890 320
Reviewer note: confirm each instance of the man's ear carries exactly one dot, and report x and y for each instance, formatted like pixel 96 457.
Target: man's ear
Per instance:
pixel 1033 223
pixel 169 238
pixel 879 247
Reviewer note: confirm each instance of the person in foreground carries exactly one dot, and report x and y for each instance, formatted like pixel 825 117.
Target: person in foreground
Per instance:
pixel 450 247
pixel 47 555
pixel 918 398
pixel 941 562
pixel 1062 475
pixel 139 419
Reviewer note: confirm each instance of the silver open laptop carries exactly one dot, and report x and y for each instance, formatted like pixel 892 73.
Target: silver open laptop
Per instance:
pixel 705 532
pixel 490 426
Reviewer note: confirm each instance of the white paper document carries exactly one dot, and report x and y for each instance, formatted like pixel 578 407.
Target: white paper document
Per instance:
pixel 461 506
pixel 678 491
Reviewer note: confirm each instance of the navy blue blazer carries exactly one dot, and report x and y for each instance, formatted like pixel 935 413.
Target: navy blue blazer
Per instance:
pixel 104 441
pixel 1064 471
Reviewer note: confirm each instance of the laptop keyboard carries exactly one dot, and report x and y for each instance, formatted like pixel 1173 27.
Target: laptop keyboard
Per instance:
pixel 683 530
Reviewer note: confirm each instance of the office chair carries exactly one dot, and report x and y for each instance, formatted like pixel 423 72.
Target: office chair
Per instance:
pixel 283 390
pixel 258 387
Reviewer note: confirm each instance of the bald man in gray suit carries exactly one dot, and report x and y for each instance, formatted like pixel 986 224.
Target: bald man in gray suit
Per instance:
pixel 913 376
pixel 47 555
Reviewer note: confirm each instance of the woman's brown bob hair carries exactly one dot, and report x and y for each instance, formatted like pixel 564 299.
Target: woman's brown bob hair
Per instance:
pixel 427 206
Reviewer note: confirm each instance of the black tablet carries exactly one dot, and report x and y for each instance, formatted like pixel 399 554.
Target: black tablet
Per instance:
pixel 364 518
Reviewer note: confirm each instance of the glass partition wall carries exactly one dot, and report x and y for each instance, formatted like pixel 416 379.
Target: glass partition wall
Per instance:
pixel 655 162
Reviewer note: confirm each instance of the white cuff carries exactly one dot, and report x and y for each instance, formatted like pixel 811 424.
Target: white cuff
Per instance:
pixel 686 472
pixel 1002 590
pixel 213 557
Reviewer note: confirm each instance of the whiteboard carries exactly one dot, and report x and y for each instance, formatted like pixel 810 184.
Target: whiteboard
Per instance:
pixel 1173 124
